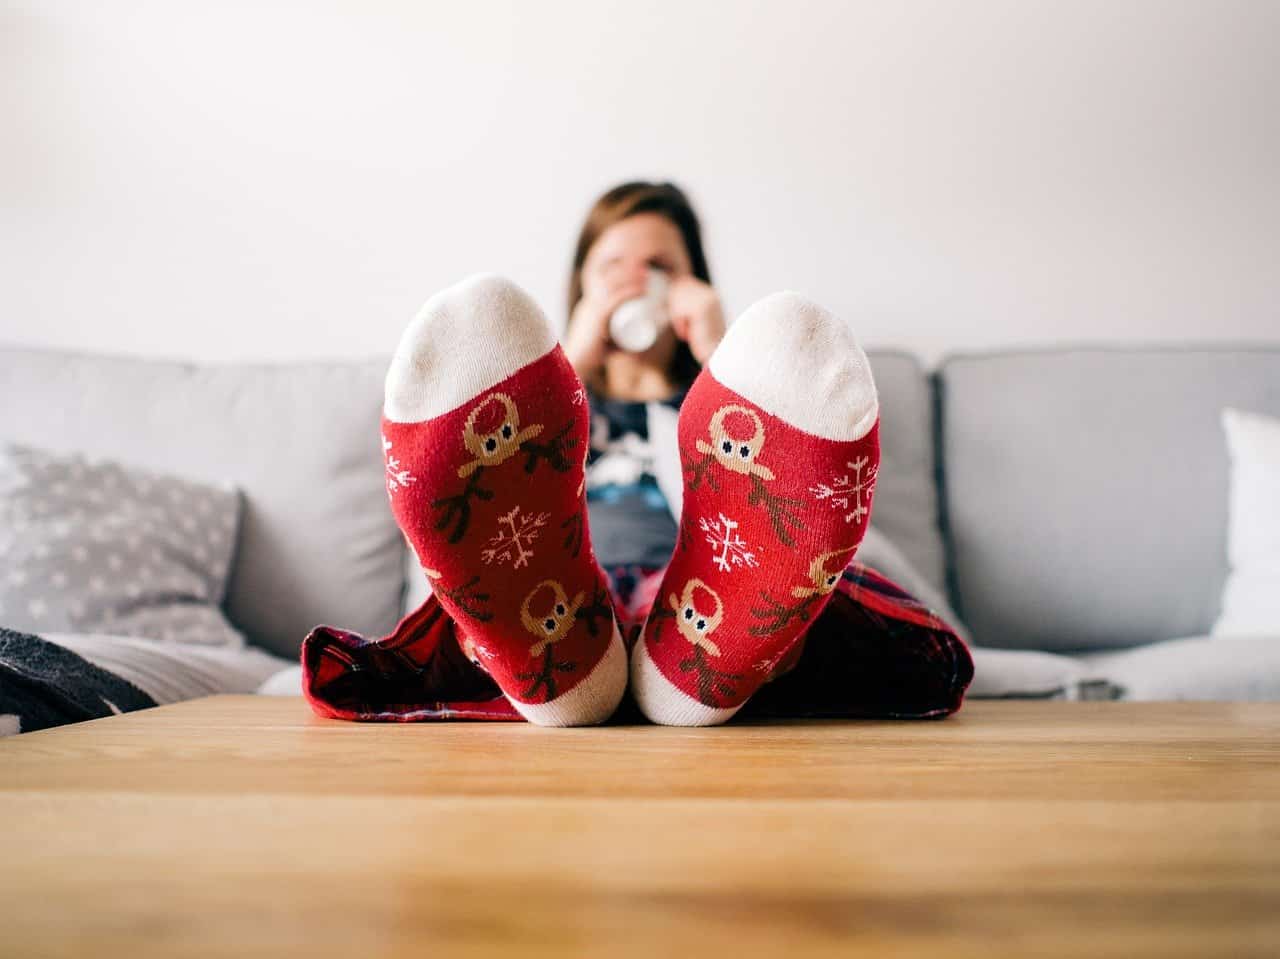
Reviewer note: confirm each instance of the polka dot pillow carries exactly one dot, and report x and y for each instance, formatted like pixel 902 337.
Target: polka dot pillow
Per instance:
pixel 96 547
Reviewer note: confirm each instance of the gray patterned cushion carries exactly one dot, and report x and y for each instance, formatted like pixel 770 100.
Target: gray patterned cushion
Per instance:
pixel 93 546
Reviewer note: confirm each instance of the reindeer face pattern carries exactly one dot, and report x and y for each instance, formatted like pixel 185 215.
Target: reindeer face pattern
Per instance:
pixel 695 624
pixel 736 453
pixel 502 442
pixel 739 453
pixel 558 617
pixel 823 577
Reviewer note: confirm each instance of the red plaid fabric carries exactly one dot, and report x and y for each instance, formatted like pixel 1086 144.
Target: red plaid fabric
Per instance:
pixel 873 652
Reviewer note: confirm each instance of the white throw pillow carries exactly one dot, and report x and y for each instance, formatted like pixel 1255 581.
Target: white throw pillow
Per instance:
pixel 1251 599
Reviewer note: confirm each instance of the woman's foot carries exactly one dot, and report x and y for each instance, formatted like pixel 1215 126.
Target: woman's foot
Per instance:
pixel 485 431
pixel 779 440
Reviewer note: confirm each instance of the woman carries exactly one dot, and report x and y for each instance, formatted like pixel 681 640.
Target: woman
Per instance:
pixel 751 601
pixel 632 230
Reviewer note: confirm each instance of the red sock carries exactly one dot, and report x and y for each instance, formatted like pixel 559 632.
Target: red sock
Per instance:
pixel 485 431
pixel 779 440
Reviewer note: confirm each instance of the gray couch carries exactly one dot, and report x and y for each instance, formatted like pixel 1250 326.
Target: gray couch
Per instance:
pixel 1070 505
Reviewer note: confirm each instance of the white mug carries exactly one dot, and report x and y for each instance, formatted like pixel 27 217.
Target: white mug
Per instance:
pixel 636 324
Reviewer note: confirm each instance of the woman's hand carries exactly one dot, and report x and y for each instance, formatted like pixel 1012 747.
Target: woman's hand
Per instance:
pixel 696 316
pixel 587 337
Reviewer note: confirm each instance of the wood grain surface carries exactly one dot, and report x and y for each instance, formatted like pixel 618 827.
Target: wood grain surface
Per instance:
pixel 240 825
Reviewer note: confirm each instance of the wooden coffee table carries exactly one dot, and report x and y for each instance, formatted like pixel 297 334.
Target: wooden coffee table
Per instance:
pixel 241 825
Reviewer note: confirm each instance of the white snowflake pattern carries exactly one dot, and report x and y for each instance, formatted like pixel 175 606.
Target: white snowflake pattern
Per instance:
pixel 852 489
pixel 733 550
pixel 579 396
pixel 766 666
pixel 514 544
pixel 397 476
pixel 474 651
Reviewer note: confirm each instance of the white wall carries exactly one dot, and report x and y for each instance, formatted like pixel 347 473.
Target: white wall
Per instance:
pixel 281 180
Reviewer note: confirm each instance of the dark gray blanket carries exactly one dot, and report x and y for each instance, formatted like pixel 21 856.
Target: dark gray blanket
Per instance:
pixel 45 685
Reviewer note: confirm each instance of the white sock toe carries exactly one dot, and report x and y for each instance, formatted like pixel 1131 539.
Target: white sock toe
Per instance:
pixel 801 363
pixel 590 702
pixel 661 702
pixel 465 339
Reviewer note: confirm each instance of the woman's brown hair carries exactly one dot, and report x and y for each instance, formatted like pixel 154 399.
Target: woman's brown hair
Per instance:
pixel 628 199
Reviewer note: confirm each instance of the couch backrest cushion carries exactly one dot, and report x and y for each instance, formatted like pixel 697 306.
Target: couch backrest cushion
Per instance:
pixel 301 441
pixel 1085 491
pixel 906 501
pixel 317 543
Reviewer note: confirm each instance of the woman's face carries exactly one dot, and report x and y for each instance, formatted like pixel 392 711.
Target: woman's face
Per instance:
pixel 624 251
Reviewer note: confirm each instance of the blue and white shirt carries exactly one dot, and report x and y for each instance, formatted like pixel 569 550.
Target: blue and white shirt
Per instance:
pixel 632 520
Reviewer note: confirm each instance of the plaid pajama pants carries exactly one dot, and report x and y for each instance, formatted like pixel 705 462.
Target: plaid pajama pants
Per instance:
pixel 873 652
